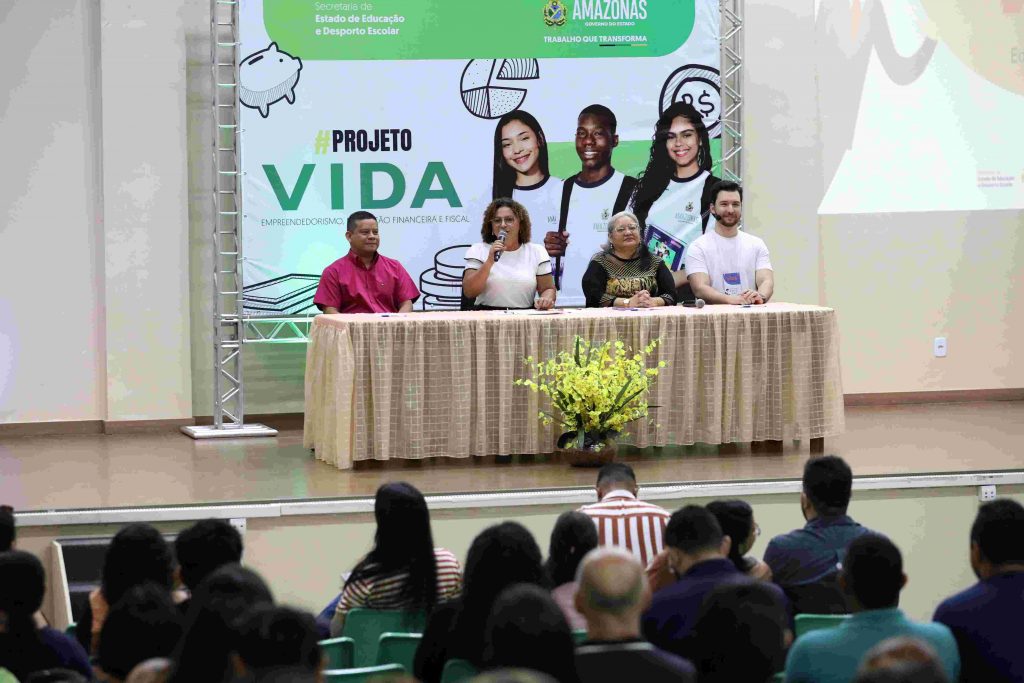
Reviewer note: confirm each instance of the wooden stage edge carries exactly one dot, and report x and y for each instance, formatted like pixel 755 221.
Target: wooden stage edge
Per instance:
pixel 96 471
pixel 287 421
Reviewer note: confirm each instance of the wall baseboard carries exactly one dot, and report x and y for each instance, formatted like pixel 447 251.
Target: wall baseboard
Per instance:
pixel 952 396
pixel 64 427
pixel 137 426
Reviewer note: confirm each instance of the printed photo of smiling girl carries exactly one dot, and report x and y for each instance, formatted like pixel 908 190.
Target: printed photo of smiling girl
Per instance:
pixel 521 169
pixel 673 194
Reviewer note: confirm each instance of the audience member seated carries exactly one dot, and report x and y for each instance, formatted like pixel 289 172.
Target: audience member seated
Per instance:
pixel 24 647
pixel 277 644
pixel 873 577
pixel 741 634
pixel 987 619
pixel 612 594
pixel 203 653
pixel 805 562
pixel 903 660
pixel 403 570
pixel 137 554
pixel 698 554
pixel 155 670
pixel 502 555
pixel 527 630
pixel 573 537
pixel 736 518
pixel 621 519
pixel 8 532
pixel 143 624
pixel 203 547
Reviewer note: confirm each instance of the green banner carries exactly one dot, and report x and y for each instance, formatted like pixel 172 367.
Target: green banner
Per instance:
pixel 460 29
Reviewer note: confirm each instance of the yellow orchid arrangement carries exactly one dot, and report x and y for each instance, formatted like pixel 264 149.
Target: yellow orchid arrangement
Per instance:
pixel 597 388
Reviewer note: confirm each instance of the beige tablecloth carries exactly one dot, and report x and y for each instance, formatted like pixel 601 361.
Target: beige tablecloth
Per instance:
pixel 421 385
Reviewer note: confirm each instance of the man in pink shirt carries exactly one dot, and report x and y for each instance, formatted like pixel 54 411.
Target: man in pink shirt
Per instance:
pixel 363 281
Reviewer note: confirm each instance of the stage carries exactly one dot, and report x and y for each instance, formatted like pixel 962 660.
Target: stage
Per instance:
pixel 100 472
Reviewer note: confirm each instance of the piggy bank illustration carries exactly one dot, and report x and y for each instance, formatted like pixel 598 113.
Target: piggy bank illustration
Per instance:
pixel 266 77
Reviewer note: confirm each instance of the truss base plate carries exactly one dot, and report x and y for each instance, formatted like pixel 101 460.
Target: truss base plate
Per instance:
pixel 232 432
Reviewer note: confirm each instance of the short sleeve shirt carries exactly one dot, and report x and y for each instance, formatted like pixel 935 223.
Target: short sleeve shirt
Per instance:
pixel 351 287
pixel 512 281
pixel 385 592
pixel 730 262
pixel 675 220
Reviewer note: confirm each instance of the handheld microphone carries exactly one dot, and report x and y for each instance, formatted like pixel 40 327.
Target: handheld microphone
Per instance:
pixel 501 238
pixel 696 303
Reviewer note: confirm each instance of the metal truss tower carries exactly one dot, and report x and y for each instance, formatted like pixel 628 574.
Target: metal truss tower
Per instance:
pixel 228 326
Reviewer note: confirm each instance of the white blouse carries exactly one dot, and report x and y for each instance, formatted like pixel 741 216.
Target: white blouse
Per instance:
pixel 512 282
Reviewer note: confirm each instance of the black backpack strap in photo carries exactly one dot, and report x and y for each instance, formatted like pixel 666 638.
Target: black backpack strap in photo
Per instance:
pixel 563 217
pixel 622 198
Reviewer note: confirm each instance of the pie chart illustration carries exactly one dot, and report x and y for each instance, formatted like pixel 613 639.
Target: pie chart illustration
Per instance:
pixel 486 85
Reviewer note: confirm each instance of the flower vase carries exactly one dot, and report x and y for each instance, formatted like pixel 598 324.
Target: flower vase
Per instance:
pixel 596 452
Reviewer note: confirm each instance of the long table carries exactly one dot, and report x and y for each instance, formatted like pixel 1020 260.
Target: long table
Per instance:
pixel 424 385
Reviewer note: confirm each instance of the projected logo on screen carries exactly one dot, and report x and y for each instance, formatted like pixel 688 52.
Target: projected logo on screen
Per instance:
pixel 483 91
pixel 699 86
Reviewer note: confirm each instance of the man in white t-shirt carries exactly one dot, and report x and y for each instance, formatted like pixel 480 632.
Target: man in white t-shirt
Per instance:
pixel 724 265
pixel 587 200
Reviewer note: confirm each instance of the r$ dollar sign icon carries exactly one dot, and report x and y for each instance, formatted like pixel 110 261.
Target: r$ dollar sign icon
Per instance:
pixel 704 101
pixel 699 86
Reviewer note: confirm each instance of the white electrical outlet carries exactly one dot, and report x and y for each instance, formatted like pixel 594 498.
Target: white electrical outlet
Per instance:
pixel 986 493
pixel 939 347
pixel 239 523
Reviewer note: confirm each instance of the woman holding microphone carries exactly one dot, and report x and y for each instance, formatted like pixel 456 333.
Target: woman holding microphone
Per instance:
pixel 506 271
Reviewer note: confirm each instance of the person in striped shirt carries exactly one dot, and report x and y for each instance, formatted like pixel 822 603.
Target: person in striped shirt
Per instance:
pixel 403 570
pixel 622 520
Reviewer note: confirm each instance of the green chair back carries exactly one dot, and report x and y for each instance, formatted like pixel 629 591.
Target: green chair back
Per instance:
pixel 579 635
pixel 71 630
pixel 366 626
pixel 398 648
pixel 363 673
pixel 779 677
pixel 805 623
pixel 339 653
pixel 7 677
pixel 456 670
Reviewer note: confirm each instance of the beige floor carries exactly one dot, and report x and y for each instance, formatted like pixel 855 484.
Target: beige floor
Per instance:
pixel 96 471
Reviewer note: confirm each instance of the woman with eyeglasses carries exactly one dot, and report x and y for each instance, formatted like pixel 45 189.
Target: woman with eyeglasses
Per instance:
pixel 736 518
pixel 626 274
pixel 506 271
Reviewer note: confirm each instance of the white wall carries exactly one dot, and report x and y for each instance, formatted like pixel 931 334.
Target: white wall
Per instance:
pixel 94 247
pixel 52 362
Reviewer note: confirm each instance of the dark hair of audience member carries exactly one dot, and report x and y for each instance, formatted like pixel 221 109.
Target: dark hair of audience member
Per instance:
pixel 8 532
pixel 998 530
pixel 500 556
pixel 269 637
pixel 402 543
pixel 902 659
pixel 693 529
pixel 739 634
pixel 736 518
pixel 143 624
pixel 616 473
pixel 828 483
pixel 873 571
pixel 56 676
pixel 526 629
pixel 138 554
pixel 203 653
pixel 205 546
pixel 22 583
pixel 574 536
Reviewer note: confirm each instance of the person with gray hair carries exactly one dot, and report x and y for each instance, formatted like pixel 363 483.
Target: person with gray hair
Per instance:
pixel 613 593
pixel 626 274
